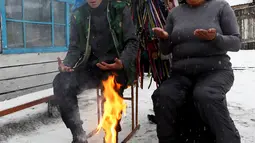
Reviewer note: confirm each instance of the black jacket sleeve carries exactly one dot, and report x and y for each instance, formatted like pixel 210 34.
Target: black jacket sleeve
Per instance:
pixel 130 39
pixel 230 40
pixel 74 51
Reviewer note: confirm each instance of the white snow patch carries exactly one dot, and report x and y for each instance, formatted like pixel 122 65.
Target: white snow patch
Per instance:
pixel 25 99
pixel 243 58
pixel 237 2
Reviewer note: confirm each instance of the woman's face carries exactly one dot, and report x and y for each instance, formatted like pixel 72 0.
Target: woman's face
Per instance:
pixel 169 4
pixel 195 2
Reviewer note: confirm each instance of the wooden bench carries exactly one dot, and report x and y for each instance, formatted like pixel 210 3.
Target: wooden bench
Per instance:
pixel 27 75
pixel 26 101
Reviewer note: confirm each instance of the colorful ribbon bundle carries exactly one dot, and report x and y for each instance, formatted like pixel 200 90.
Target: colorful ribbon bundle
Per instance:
pixel 148 14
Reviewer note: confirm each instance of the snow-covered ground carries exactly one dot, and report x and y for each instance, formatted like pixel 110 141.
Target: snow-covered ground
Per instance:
pixel 33 126
pixel 237 2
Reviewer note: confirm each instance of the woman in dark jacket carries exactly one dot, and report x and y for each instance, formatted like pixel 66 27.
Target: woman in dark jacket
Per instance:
pixel 198 34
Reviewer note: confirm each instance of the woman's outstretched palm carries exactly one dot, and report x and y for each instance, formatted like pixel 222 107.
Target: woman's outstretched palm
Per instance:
pixel 160 33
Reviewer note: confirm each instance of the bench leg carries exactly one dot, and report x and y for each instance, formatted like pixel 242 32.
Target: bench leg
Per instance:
pixel 49 109
pixel 53 110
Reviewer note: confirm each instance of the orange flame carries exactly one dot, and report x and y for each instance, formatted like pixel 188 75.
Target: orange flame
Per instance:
pixel 113 107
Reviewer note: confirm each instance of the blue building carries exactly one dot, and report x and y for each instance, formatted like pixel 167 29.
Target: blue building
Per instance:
pixel 33 34
pixel 34 26
pixel 78 3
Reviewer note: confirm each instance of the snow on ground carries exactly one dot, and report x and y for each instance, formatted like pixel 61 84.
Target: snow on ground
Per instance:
pixel 237 2
pixel 240 99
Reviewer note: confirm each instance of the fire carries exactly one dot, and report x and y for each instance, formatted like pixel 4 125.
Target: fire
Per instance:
pixel 114 106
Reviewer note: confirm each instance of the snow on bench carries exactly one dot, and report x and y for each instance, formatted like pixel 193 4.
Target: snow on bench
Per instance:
pixel 25 101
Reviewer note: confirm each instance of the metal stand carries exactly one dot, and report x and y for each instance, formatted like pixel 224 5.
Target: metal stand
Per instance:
pixel 134 112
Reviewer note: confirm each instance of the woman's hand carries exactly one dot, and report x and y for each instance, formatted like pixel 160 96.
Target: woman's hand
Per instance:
pixel 160 33
pixel 206 34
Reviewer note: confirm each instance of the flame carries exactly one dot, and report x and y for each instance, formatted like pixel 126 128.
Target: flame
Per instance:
pixel 114 106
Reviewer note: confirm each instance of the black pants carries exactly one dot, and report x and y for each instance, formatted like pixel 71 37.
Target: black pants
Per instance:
pixel 68 85
pixel 209 98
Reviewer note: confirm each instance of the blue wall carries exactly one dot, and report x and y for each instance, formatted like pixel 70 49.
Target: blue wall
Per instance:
pixel 30 26
pixel 78 3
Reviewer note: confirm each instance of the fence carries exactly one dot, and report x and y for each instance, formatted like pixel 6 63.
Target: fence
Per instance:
pixel 246 21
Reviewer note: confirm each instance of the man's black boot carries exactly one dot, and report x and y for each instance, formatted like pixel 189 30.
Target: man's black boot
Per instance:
pixel 79 135
pixel 152 119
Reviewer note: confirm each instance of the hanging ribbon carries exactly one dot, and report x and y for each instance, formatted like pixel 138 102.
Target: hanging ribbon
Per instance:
pixel 150 14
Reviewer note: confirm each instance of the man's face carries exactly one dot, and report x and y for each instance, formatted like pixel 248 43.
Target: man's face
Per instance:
pixel 94 3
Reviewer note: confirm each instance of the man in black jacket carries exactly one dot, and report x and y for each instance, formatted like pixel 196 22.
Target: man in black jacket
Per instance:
pixel 103 41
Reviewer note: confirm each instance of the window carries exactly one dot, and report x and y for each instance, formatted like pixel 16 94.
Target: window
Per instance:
pixel 35 25
pixel 15 35
pixel 13 9
pixel 37 10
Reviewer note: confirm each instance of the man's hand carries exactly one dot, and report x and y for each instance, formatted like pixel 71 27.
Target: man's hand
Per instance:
pixel 115 66
pixel 205 34
pixel 160 33
pixel 62 67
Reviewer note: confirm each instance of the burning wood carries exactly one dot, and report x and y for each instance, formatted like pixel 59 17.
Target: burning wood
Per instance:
pixel 114 106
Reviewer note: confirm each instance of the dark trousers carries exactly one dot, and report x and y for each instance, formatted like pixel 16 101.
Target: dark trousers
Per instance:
pixel 67 86
pixel 208 97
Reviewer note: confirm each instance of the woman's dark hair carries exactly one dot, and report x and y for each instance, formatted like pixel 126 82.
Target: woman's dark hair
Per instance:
pixel 184 1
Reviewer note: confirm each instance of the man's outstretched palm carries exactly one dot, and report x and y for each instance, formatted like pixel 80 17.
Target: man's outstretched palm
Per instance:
pixel 62 67
pixel 115 66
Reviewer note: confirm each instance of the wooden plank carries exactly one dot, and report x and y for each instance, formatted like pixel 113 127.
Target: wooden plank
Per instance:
pixel 29 58
pixel 21 83
pixel 7 104
pixel 241 6
pixel 15 72
pixel 12 95
pixel 24 106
